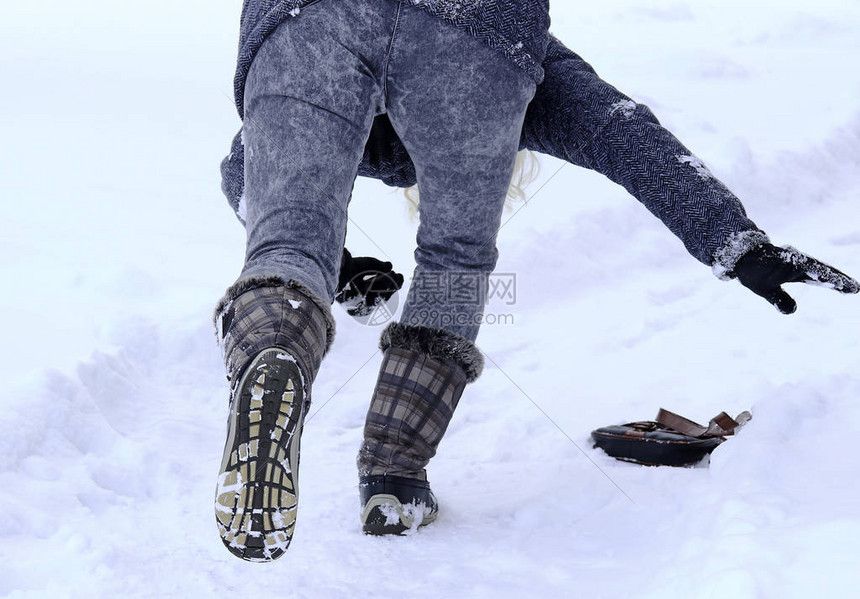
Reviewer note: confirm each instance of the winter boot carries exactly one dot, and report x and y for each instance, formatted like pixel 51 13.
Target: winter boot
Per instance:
pixel 392 505
pixel 422 377
pixel 273 339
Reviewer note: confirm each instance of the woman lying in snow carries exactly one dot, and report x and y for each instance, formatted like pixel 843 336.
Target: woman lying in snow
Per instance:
pixel 577 117
pixel 275 328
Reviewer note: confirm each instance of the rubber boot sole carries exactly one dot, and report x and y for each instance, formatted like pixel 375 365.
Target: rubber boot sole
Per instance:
pixel 257 495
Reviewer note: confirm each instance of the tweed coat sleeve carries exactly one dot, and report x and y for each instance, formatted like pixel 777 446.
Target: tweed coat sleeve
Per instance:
pixel 577 117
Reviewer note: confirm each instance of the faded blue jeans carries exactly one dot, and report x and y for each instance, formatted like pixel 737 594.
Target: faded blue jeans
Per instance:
pixel 310 98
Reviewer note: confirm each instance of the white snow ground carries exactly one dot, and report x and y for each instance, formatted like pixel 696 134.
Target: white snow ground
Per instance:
pixel 115 244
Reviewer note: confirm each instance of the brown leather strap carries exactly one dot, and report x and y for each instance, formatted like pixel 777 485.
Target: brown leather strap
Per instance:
pixel 721 425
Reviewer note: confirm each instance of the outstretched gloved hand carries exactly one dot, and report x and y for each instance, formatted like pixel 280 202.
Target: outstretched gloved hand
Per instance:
pixel 364 283
pixel 763 269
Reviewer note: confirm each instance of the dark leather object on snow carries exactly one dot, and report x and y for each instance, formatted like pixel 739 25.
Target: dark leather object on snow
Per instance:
pixel 670 440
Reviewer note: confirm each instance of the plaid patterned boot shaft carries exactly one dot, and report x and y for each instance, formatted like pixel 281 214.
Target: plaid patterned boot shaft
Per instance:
pixel 273 316
pixel 415 397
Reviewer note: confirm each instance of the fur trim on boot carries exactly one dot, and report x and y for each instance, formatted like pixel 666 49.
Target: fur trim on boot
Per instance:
pixel 435 343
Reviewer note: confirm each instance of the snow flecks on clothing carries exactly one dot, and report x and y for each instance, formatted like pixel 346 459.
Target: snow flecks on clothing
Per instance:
pixel 448 8
pixel 295 304
pixel 736 245
pixel 819 274
pixel 792 256
pixel 697 164
pixel 295 12
pixel 625 107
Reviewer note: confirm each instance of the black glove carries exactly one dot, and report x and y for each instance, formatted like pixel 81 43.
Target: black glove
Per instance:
pixel 364 283
pixel 762 270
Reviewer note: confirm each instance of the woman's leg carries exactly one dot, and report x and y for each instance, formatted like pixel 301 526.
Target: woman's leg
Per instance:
pixel 458 106
pixel 310 102
pixel 310 98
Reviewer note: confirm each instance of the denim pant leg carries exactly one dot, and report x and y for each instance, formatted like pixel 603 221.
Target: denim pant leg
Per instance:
pixel 310 98
pixel 458 106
